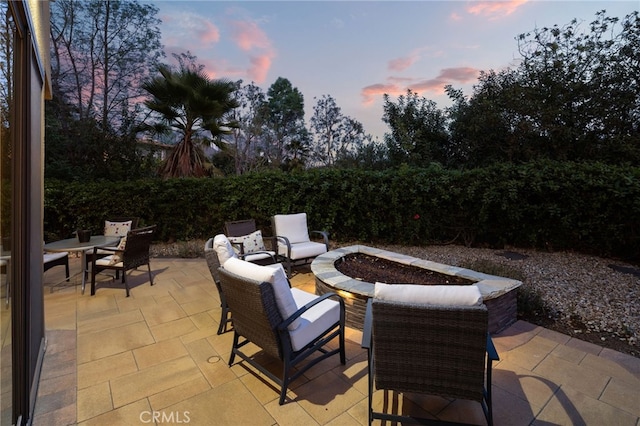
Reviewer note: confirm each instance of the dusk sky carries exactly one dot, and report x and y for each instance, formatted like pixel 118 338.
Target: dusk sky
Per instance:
pixel 358 50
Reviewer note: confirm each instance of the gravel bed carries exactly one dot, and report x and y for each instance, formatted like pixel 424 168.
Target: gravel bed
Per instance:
pixel 583 295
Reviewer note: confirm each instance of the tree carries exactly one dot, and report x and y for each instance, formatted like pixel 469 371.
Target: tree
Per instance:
pixel 251 115
pixel 284 125
pixel 418 130
pixel 101 52
pixel 574 96
pixel 336 137
pixel 188 102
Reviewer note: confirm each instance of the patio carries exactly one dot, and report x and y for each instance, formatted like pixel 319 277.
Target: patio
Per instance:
pixel 155 358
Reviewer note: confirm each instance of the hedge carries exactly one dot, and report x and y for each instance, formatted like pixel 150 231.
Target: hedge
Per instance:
pixel 593 208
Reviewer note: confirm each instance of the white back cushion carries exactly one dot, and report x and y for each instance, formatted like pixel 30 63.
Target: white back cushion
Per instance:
pixel 442 295
pixel 116 229
pixel 292 226
pixel 223 248
pixel 272 274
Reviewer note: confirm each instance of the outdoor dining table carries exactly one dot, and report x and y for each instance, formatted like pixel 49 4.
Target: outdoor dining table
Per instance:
pixel 73 245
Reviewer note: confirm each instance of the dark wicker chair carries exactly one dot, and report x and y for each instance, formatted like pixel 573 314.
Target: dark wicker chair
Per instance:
pixel 295 245
pixel 100 253
pixel 425 349
pixel 214 263
pixel 56 259
pixel 135 254
pixel 257 319
pixel 241 228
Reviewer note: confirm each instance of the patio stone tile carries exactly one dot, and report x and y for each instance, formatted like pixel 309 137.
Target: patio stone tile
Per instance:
pixel 530 354
pixel 265 390
pixel 345 419
pixel 93 346
pixel 327 397
pixel 134 303
pixel 169 330
pixel 203 304
pixel 584 346
pixel 229 404
pixel 204 321
pixel 163 313
pixel 62 416
pixel 465 411
pixel 554 336
pixel 160 352
pixel 509 409
pixel 212 366
pixel 189 294
pixel 289 414
pixel 127 415
pixel 521 383
pixel 515 335
pixel 108 320
pixel 570 354
pixel 610 368
pixel 563 372
pixel 105 369
pixel 628 362
pixel 88 306
pixel 623 395
pixel 179 393
pixel 94 400
pixel 423 406
pixel 571 407
pixel 152 380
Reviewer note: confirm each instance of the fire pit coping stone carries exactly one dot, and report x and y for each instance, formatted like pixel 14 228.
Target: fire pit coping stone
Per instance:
pixel 323 268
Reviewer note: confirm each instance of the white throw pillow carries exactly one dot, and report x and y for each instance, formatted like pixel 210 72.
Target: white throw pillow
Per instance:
pixel 117 256
pixel 442 295
pixel 223 248
pixel 272 274
pixel 250 243
pixel 292 226
pixel 116 229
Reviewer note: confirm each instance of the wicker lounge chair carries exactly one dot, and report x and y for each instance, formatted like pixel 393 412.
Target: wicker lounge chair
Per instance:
pixel 294 244
pixel 426 349
pixel 256 306
pixel 130 254
pixel 213 261
pixel 250 242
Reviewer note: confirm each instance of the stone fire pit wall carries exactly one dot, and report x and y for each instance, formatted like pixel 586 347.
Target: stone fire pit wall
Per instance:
pixel 498 293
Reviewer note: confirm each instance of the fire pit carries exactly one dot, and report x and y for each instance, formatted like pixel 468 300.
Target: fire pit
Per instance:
pixel 498 293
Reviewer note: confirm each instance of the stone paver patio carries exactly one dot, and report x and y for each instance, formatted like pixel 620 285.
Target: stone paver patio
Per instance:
pixel 155 358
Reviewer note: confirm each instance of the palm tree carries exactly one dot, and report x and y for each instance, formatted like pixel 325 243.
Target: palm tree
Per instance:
pixel 191 104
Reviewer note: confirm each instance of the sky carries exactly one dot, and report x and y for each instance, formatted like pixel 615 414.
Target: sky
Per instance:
pixel 357 51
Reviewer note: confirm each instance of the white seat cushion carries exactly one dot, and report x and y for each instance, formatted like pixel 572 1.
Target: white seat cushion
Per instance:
pixel 223 248
pixel 272 274
pixel 259 256
pixel 109 261
pixel 50 256
pixel 441 295
pixel 304 250
pixel 315 320
pixel 292 226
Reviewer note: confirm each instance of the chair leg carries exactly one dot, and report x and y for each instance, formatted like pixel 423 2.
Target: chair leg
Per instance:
pixel 150 277
pixel 224 317
pixel 66 269
pixel 124 280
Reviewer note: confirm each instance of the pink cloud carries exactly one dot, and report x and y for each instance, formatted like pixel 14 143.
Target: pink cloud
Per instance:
pixel 248 35
pixel 398 85
pixel 209 33
pixel 401 64
pixel 495 9
pixel 260 66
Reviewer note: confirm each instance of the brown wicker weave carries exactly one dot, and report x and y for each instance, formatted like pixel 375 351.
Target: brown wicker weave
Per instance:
pixel 256 319
pixel 214 263
pixel 430 350
pixel 135 254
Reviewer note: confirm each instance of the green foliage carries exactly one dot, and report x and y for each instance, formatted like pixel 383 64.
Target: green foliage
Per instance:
pixel 592 208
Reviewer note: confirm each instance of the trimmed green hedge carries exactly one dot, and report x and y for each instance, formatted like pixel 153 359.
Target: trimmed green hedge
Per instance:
pixel 592 208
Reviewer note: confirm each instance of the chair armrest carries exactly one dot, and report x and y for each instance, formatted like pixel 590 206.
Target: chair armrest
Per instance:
pixel 284 324
pixel 325 237
pixel 95 250
pixel 240 245
pixel 491 349
pixel 368 323
pixel 273 241
pixel 243 255
pixel 287 243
